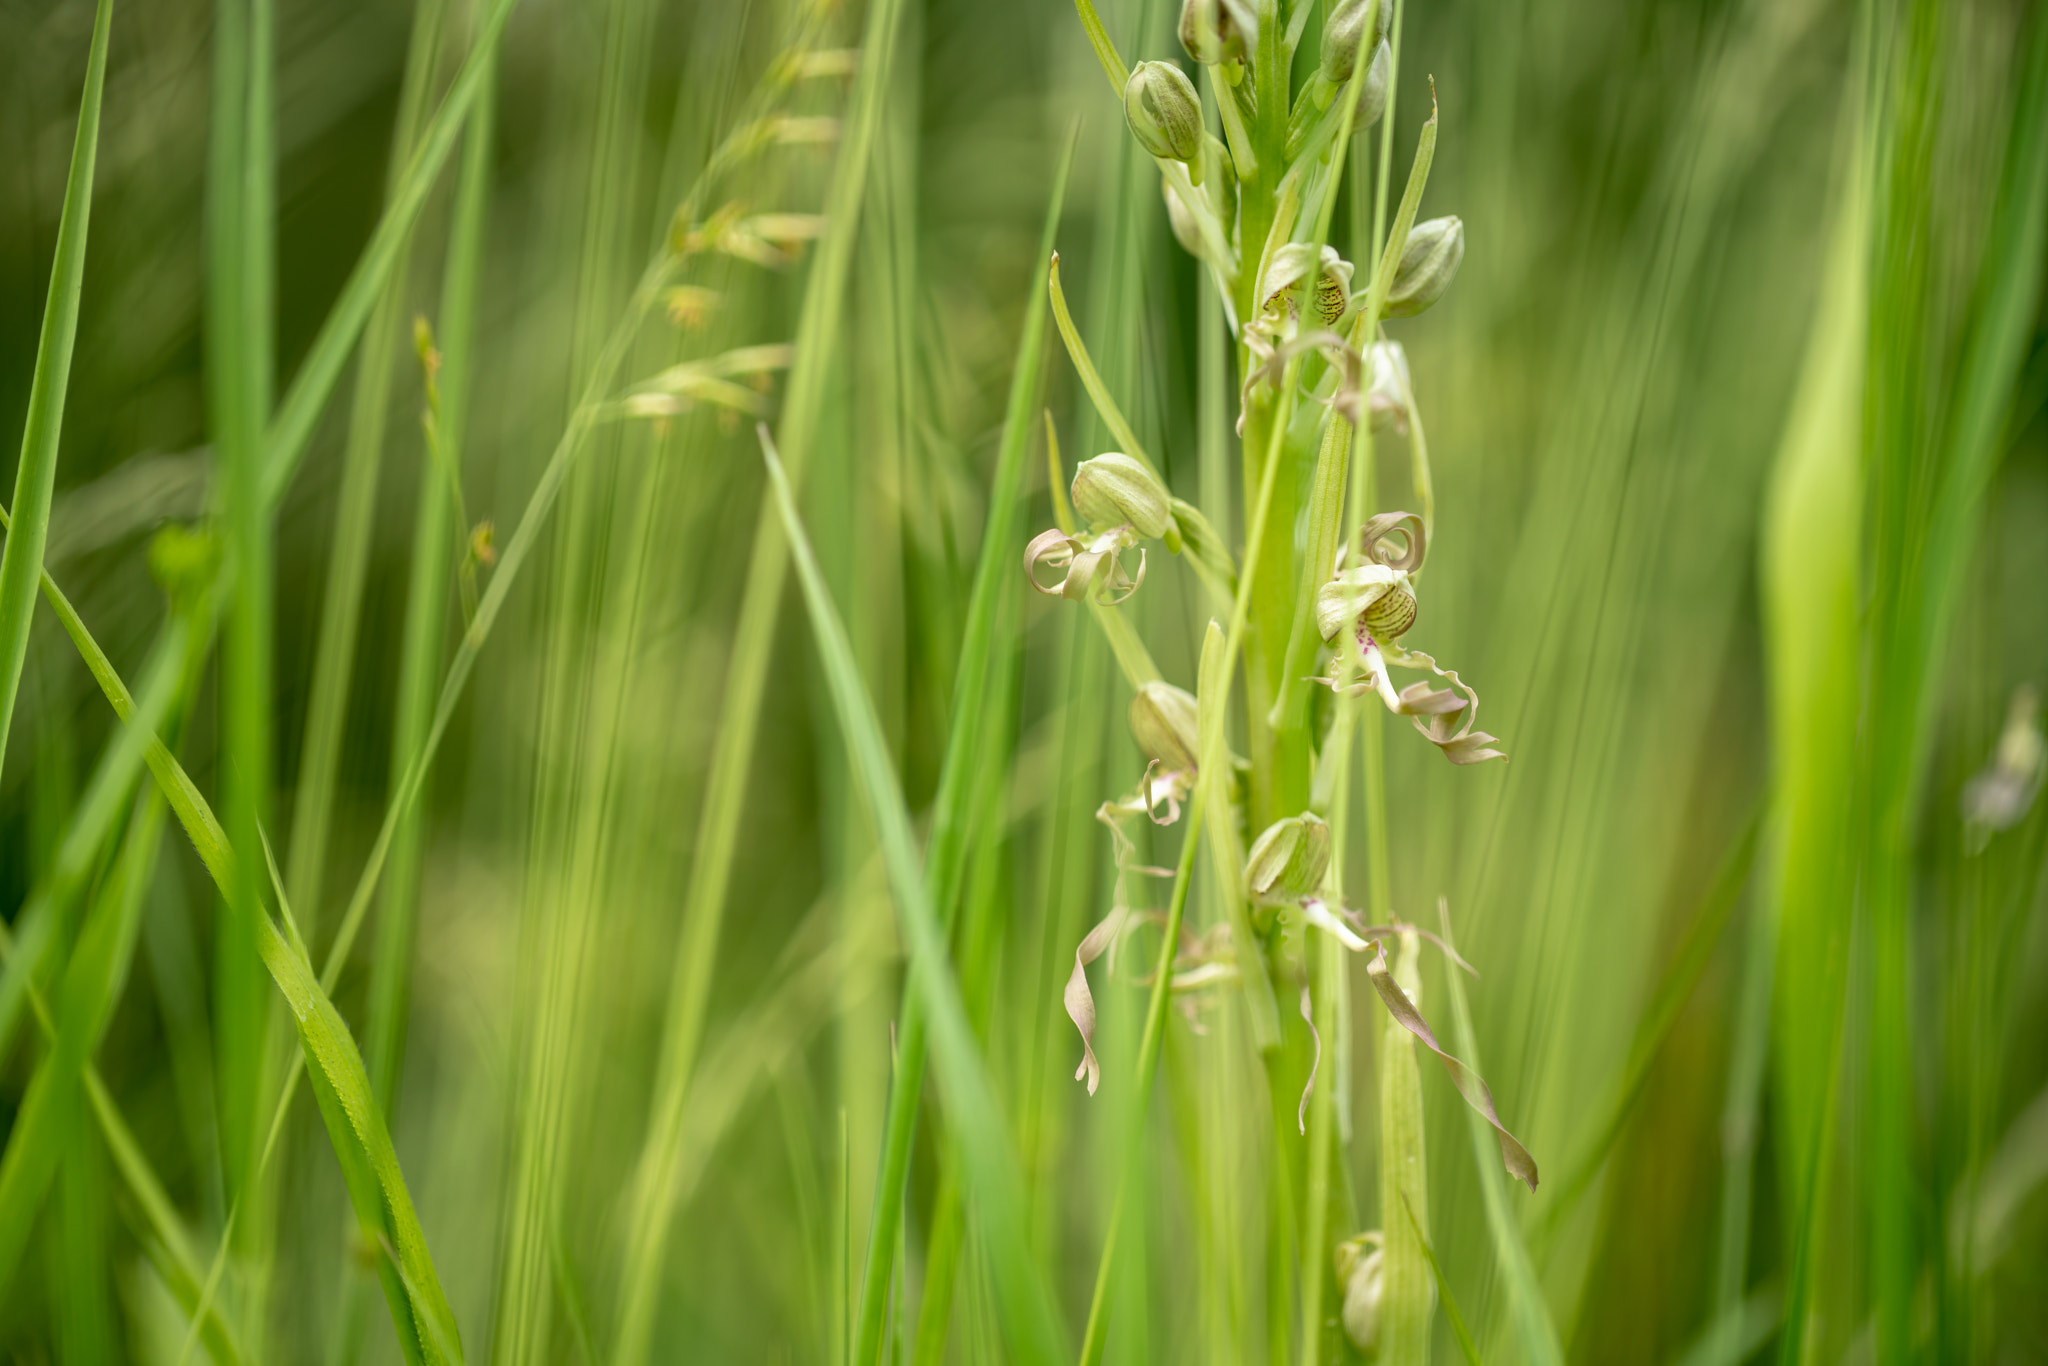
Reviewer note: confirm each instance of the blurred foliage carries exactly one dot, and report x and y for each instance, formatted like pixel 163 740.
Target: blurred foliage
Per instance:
pixel 1652 194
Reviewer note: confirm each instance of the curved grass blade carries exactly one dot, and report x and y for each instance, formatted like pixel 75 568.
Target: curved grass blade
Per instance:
pixel 944 857
pixel 1024 1298
pixel 92 979
pixel 35 478
pixel 355 1124
pixel 1466 1345
pixel 92 827
pixel 704 906
pixel 1091 379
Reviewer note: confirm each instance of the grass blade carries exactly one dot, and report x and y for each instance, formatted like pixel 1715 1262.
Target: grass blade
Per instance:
pixel 1466 1345
pixel 1030 1329
pixel 348 559
pixel 1541 1345
pixel 704 907
pixel 291 430
pixel 97 966
pixel 944 857
pixel 35 477
pixel 355 1123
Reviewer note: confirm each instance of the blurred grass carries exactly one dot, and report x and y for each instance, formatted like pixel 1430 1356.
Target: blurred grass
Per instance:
pixel 1741 474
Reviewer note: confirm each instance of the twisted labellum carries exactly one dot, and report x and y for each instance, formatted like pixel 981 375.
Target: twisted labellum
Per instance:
pixel 1093 568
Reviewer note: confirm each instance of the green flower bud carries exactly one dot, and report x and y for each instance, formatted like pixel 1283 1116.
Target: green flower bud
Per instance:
pixel 1344 37
pixel 1113 489
pixel 1288 861
pixel 1165 114
pixel 1164 723
pixel 1428 262
pixel 1364 1284
pixel 1215 31
pixel 1379 78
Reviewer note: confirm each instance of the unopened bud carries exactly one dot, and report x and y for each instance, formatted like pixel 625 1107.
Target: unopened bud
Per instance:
pixel 1215 31
pixel 1164 723
pixel 1428 262
pixel 1344 36
pixel 1372 595
pixel 1114 488
pixel 1288 860
pixel 1362 1274
pixel 1165 114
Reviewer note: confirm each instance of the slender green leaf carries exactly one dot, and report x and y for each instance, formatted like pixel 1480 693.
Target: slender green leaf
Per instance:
pixel 944 856
pixel 1030 1326
pixel 1466 1345
pixel 1541 1345
pixel 35 477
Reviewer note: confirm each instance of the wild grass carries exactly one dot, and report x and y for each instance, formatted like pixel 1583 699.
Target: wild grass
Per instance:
pixel 680 958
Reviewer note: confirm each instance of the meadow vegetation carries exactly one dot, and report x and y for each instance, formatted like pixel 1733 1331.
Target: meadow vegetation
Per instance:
pixel 800 681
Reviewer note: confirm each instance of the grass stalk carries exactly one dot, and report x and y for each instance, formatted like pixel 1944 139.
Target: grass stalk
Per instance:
pixel 952 807
pixel 1029 1322
pixel 35 475
pixel 725 788
pixel 356 509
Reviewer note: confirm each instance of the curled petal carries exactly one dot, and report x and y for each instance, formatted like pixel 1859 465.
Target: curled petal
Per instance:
pixel 1315 1063
pixel 1166 788
pixel 1054 549
pixel 1470 1085
pixel 1208 974
pixel 1461 744
pixel 1093 569
pixel 1375 547
pixel 1373 932
pixel 1419 699
pixel 1316 913
pixel 1270 359
pixel 1081 1004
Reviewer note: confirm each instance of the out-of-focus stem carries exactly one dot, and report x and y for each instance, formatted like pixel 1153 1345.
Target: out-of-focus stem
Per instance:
pixel 1408 1290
